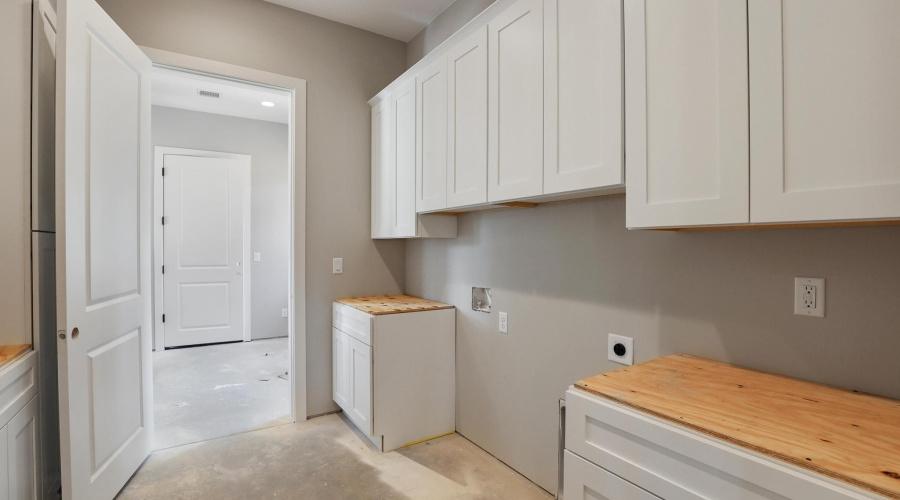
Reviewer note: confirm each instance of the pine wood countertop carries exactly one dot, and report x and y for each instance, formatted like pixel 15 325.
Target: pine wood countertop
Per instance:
pixel 393 304
pixel 849 436
pixel 9 353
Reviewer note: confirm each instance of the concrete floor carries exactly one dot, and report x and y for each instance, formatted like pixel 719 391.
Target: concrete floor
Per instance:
pixel 207 392
pixel 326 458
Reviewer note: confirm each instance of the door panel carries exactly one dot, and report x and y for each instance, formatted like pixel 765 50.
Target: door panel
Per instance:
pixel 340 351
pixel 103 255
pixel 206 232
pixel 360 379
pixel 825 108
pixel 384 168
pixel 403 120
pixel 22 453
pixel 686 100
pixel 467 84
pixel 516 97
pixel 584 100
pixel 431 146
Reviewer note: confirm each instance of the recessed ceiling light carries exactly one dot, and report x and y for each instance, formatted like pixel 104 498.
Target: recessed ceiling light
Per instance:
pixel 267 104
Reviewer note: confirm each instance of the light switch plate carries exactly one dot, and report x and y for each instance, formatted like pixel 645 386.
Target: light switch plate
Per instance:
pixel 627 358
pixel 256 257
pixel 337 265
pixel 809 297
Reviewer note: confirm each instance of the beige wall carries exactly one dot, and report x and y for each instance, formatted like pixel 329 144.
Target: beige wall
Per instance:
pixel 344 67
pixel 570 273
pixel 452 19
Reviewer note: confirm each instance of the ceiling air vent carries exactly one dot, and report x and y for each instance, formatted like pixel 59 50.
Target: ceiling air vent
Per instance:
pixel 207 93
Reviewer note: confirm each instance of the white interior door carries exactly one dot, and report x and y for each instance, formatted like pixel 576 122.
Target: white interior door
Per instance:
pixel 103 220
pixel 206 225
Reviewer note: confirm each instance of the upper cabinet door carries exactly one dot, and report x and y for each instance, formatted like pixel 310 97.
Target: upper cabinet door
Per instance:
pixel 403 122
pixel 467 117
pixel 686 99
pixel 431 146
pixel 516 102
pixel 825 109
pixel 583 97
pixel 383 171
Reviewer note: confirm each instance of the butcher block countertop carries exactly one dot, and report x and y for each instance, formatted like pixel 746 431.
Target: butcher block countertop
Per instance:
pixel 393 304
pixel 9 353
pixel 846 435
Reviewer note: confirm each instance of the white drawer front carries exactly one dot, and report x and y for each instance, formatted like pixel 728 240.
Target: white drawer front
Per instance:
pixel 586 481
pixel 353 322
pixel 678 464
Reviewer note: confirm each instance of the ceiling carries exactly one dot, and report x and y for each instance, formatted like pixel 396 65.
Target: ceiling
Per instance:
pixel 177 89
pixel 397 19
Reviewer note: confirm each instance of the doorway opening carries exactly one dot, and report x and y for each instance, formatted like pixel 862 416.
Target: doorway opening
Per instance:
pixel 223 256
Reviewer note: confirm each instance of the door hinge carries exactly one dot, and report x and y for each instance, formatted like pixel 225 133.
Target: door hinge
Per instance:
pixel 164 269
pixel 164 170
pixel 164 318
pixel 163 220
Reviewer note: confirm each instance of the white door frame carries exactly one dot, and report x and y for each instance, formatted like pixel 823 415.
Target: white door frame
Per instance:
pixel 297 127
pixel 159 154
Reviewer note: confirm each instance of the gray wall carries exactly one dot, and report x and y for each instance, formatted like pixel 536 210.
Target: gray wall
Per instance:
pixel 570 273
pixel 452 19
pixel 344 67
pixel 270 198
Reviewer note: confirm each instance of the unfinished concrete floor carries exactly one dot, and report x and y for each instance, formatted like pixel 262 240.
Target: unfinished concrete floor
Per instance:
pixel 326 459
pixel 206 392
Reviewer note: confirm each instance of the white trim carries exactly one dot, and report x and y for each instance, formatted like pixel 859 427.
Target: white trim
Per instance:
pixel 159 299
pixel 297 305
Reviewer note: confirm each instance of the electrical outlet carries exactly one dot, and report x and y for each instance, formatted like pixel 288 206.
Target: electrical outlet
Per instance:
pixel 809 297
pixel 337 265
pixel 257 257
pixel 284 313
pixel 504 323
pixel 620 349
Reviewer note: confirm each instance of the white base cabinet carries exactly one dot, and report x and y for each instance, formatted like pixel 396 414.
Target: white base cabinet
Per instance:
pixel 20 430
pixel 394 375
pixel 618 453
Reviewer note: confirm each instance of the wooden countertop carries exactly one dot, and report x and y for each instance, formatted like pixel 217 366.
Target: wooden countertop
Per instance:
pixel 393 304
pixel 846 435
pixel 10 352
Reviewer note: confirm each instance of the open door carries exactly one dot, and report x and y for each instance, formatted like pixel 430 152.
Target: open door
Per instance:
pixel 103 252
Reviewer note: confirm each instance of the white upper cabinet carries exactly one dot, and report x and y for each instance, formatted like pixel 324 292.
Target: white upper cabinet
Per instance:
pixel 384 170
pixel 825 110
pixel 403 121
pixel 467 117
pixel 583 95
pixel 516 102
pixel 431 127
pixel 686 103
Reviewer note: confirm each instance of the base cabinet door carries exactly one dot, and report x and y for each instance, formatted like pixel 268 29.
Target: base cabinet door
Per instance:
pixel 825 110
pixel 360 378
pixel 340 367
pixel 585 481
pixel 22 454
pixel 686 103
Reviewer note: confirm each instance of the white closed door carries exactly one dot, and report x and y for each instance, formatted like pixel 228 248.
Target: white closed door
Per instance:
pixel 516 102
pixel 584 100
pixel 686 104
pixel 103 223
pixel 206 207
pixel 383 170
pixel 825 110
pixel 360 382
pixel 403 133
pixel 340 358
pixel 467 119
pixel 431 131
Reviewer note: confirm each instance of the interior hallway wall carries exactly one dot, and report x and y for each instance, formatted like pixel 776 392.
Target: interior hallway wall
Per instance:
pixel 267 144
pixel 452 19
pixel 344 67
pixel 570 273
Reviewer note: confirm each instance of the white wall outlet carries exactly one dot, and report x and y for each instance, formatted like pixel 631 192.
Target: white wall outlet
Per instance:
pixel 257 257
pixel 284 313
pixel 337 265
pixel 504 323
pixel 809 297
pixel 620 349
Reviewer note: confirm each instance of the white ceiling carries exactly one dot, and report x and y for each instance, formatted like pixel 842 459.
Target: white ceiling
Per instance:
pixel 177 89
pixel 397 19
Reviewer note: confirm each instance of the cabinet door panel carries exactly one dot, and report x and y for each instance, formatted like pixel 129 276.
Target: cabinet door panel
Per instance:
pixel 585 481
pixel 825 109
pixel 467 84
pixel 431 129
pixel 686 99
pixel 360 379
pixel 383 171
pixel 583 89
pixel 340 369
pixel 403 121
pixel 22 436
pixel 516 97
